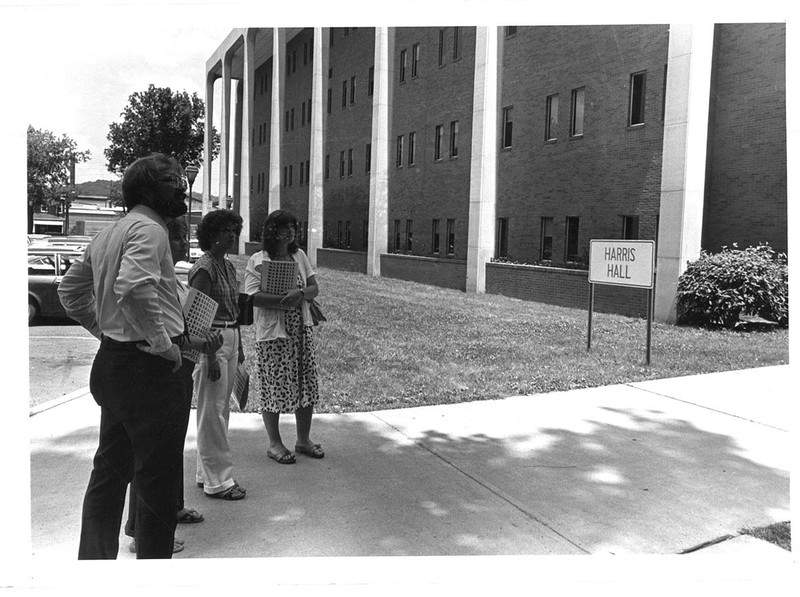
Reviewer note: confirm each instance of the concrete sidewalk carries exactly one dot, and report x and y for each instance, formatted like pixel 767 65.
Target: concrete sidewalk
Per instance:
pixel 658 467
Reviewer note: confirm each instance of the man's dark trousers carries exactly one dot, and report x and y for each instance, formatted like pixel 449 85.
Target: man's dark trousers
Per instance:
pixel 143 426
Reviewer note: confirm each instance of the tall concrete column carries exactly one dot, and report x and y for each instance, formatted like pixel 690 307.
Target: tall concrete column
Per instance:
pixel 236 139
pixel 206 203
pixel 275 131
pixel 684 162
pixel 483 162
pixel 246 124
pixel 378 231
pixel 224 128
pixel 315 191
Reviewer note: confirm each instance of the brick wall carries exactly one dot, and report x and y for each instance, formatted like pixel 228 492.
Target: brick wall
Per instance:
pixel 438 95
pixel 447 273
pixel 350 261
pixel 563 287
pixel 746 184
pixel 260 148
pixel 613 169
pixel 346 198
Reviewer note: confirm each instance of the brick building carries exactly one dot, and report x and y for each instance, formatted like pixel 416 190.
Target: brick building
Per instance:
pixel 470 157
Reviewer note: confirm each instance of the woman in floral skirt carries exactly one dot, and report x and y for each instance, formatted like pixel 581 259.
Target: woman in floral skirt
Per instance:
pixel 287 368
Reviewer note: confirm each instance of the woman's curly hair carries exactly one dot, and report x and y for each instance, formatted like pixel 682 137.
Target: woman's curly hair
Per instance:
pixel 280 218
pixel 213 222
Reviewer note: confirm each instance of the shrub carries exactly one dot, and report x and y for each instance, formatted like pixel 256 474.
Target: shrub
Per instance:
pixel 719 287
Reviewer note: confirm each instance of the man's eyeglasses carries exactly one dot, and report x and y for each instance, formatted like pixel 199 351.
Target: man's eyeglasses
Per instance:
pixel 178 183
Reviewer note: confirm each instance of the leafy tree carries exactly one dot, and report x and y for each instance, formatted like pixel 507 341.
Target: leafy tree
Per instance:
pixel 49 162
pixel 158 120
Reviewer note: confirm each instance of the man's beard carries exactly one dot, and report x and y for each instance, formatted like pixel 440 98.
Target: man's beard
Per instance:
pixel 173 207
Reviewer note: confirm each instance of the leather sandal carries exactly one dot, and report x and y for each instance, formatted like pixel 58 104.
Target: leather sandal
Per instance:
pixel 232 493
pixel 315 451
pixel 283 458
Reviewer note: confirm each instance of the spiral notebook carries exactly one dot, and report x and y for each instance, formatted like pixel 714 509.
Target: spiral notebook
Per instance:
pixel 198 311
pixel 279 277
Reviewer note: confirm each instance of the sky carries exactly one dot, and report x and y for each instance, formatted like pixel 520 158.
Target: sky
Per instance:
pixel 89 75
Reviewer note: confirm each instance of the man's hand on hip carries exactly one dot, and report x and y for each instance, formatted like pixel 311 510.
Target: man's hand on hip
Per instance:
pixel 173 354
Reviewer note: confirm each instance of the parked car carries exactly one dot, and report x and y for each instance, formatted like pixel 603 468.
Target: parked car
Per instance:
pixel 46 268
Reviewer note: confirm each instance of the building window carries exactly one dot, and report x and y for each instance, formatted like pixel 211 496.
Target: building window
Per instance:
pixel 339 234
pixel 501 238
pixel 397 236
pixel 437 149
pixel 552 117
pixel 630 227
pixel 290 174
pixel 368 158
pixel 308 170
pixel 456 43
pixel 414 60
pixel 399 152
pixel 576 117
pixel 402 68
pixel 454 139
pixel 636 111
pixel 571 244
pixel 341 164
pixel 435 237
pixel 349 162
pixel 451 237
pixel 511 31
pixel 371 81
pixel 546 250
pixel 347 234
pixel 302 172
pixel 330 99
pixel 508 126
pixel 412 146
pixel 285 177
pixel 352 90
pixel 303 115
pixel 409 235
pixel 441 47
pixel 344 93
pixel 327 166
pixel 291 119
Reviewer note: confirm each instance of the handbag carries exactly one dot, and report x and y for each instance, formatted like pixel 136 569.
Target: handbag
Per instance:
pixel 316 312
pixel 245 309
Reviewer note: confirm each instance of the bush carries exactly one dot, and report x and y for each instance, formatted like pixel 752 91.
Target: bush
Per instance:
pixel 718 288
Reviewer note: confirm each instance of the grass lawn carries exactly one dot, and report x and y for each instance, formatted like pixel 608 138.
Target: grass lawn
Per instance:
pixel 392 344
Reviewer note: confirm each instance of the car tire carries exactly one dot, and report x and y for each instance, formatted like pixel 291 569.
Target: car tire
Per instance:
pixel 33 311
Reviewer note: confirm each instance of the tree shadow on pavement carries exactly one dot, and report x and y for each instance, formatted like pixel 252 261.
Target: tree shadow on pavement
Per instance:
pixel 393 485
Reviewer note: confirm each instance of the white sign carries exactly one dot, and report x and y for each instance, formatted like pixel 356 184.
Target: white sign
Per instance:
pixel 622 262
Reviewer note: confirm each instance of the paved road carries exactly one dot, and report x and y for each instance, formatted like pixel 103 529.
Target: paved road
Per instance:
pixel 60 358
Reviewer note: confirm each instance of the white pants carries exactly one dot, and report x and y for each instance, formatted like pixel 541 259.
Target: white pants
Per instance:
pixel 214 462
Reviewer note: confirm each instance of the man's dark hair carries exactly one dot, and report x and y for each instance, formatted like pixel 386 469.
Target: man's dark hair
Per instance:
pixel 215 221
pixel 280 218
pixel 142 175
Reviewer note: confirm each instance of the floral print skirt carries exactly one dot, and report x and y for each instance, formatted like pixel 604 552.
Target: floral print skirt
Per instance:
pixel 287 369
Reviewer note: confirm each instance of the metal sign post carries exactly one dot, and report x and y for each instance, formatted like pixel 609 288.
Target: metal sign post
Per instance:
pixel 622 263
